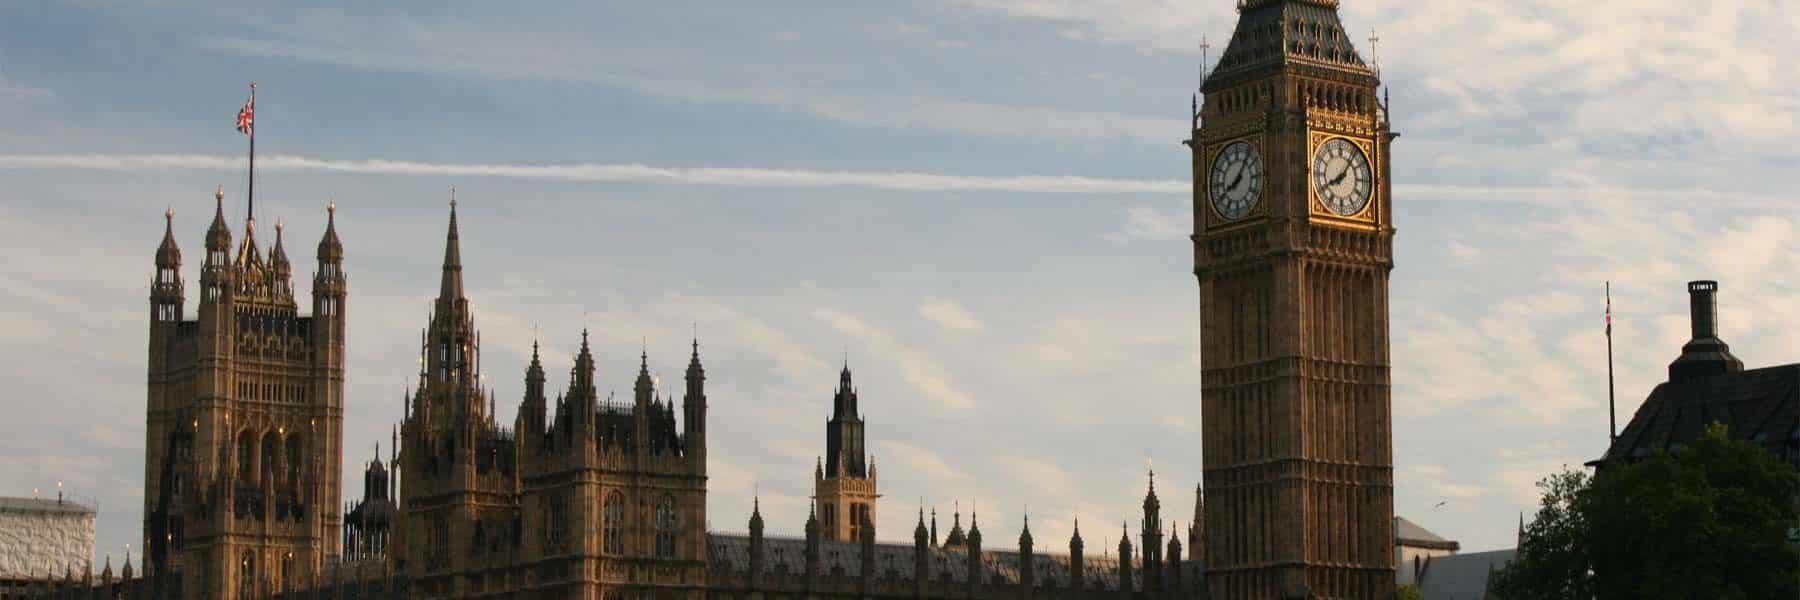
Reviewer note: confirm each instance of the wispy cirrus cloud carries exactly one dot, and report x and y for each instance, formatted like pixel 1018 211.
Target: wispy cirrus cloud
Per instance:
pixel 546 56
pixel 950 315
pixel 609 173
pixel 1141 221
pixel 917 367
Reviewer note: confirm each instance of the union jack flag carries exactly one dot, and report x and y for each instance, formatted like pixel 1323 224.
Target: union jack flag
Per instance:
pixel 247 115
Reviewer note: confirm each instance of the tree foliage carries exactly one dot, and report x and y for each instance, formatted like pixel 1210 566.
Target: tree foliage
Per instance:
pixel 1553 556
pixel 1710 521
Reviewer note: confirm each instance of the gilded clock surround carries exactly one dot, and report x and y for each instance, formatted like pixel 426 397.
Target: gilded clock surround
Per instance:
pixel 1261 207
pixel 1369 217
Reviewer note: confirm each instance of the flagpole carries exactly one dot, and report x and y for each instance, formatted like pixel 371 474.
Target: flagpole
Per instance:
pixel 251 195
pixel 1612 413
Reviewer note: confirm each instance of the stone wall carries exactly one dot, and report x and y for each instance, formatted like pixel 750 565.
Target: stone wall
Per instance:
pixel 44 537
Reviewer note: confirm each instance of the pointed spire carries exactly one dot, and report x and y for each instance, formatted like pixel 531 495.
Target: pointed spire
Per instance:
pixel 535 372
pixel 1075 538
pixel 583 373
pixel 168 254
pixel 756 518
pixel 278 258
pixel 330 248
pixel 218 235
pixel 1520 539
pixel 694 367
pixel 645 385
pixel 451 288
pixel 248 253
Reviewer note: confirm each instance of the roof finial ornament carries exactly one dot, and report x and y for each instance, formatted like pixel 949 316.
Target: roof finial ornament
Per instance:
pixel 1375 50
pixel 1205 45
pixel 453 198
pixel 219 196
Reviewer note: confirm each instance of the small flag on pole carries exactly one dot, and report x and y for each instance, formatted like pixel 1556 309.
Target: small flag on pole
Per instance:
pixel 1609 309
pixel 247 115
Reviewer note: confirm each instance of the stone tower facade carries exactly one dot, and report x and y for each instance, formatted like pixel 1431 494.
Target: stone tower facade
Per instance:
pixel 1293 233
pixel 600 499
pixel 244 419
pixel 844 486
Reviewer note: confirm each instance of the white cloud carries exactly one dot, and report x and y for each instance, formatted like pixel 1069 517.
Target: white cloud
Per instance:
pixel 512 55
pixel 1046 479
pixel 1147 223
pixel 10 88
pixel 605 173
pixel 950 315
pixel 1609 68
pixel 927 464
pixel 917 367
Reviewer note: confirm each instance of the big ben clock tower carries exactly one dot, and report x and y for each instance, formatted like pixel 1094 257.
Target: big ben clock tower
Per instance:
pixel 1293 242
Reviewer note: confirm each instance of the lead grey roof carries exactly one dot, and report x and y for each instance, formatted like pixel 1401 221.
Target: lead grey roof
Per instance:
pixel 1461 576
pixel 1281 32
pixel 1408 533
pixel 46 505
pixel 788 554
pixel 1760 405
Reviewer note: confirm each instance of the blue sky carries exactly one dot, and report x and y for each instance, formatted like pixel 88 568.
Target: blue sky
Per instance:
pixel 981 203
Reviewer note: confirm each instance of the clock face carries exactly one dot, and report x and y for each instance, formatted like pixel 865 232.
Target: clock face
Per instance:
pixel 1340 174
pixel 1237 180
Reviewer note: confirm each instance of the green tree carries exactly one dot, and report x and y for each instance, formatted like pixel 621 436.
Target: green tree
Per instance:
pixel 1709 521
pixel 1553 557
pixel 1408 592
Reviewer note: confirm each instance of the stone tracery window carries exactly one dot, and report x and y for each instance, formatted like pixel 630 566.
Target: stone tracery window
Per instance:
pixel 557 530
pixel 614 533
pixel 665 527
pixel 247 575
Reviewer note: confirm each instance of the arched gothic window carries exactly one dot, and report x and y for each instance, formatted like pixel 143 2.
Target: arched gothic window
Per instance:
pixel 246 456
pixel 558 529
pixel 247 576
pixel 665 527
pixel 614 542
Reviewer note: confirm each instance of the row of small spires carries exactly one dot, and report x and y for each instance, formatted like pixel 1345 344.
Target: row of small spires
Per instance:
pixel 1026 544
pixel 920 532
pixel 87 577
pixel 218 237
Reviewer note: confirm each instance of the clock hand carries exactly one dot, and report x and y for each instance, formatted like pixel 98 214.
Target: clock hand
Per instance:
pixel 1340 176
pixel 1239 180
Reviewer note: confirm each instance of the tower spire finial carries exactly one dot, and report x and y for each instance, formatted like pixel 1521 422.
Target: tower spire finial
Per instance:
pixel 1205 46
pixel 451 288
pixel 1375 51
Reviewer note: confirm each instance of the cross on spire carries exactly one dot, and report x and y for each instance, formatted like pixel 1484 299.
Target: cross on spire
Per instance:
pixel 1374 50
pixel 1205 45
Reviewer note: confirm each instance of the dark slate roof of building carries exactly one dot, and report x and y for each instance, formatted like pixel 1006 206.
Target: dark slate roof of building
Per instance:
pixel 1408 533
pixel 1273 33
pixel 895 561
pixel 1461 576
pixel 77 505
pixel 1760 405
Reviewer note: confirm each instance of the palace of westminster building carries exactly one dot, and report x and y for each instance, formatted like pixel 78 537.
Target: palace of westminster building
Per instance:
pixel 584 497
